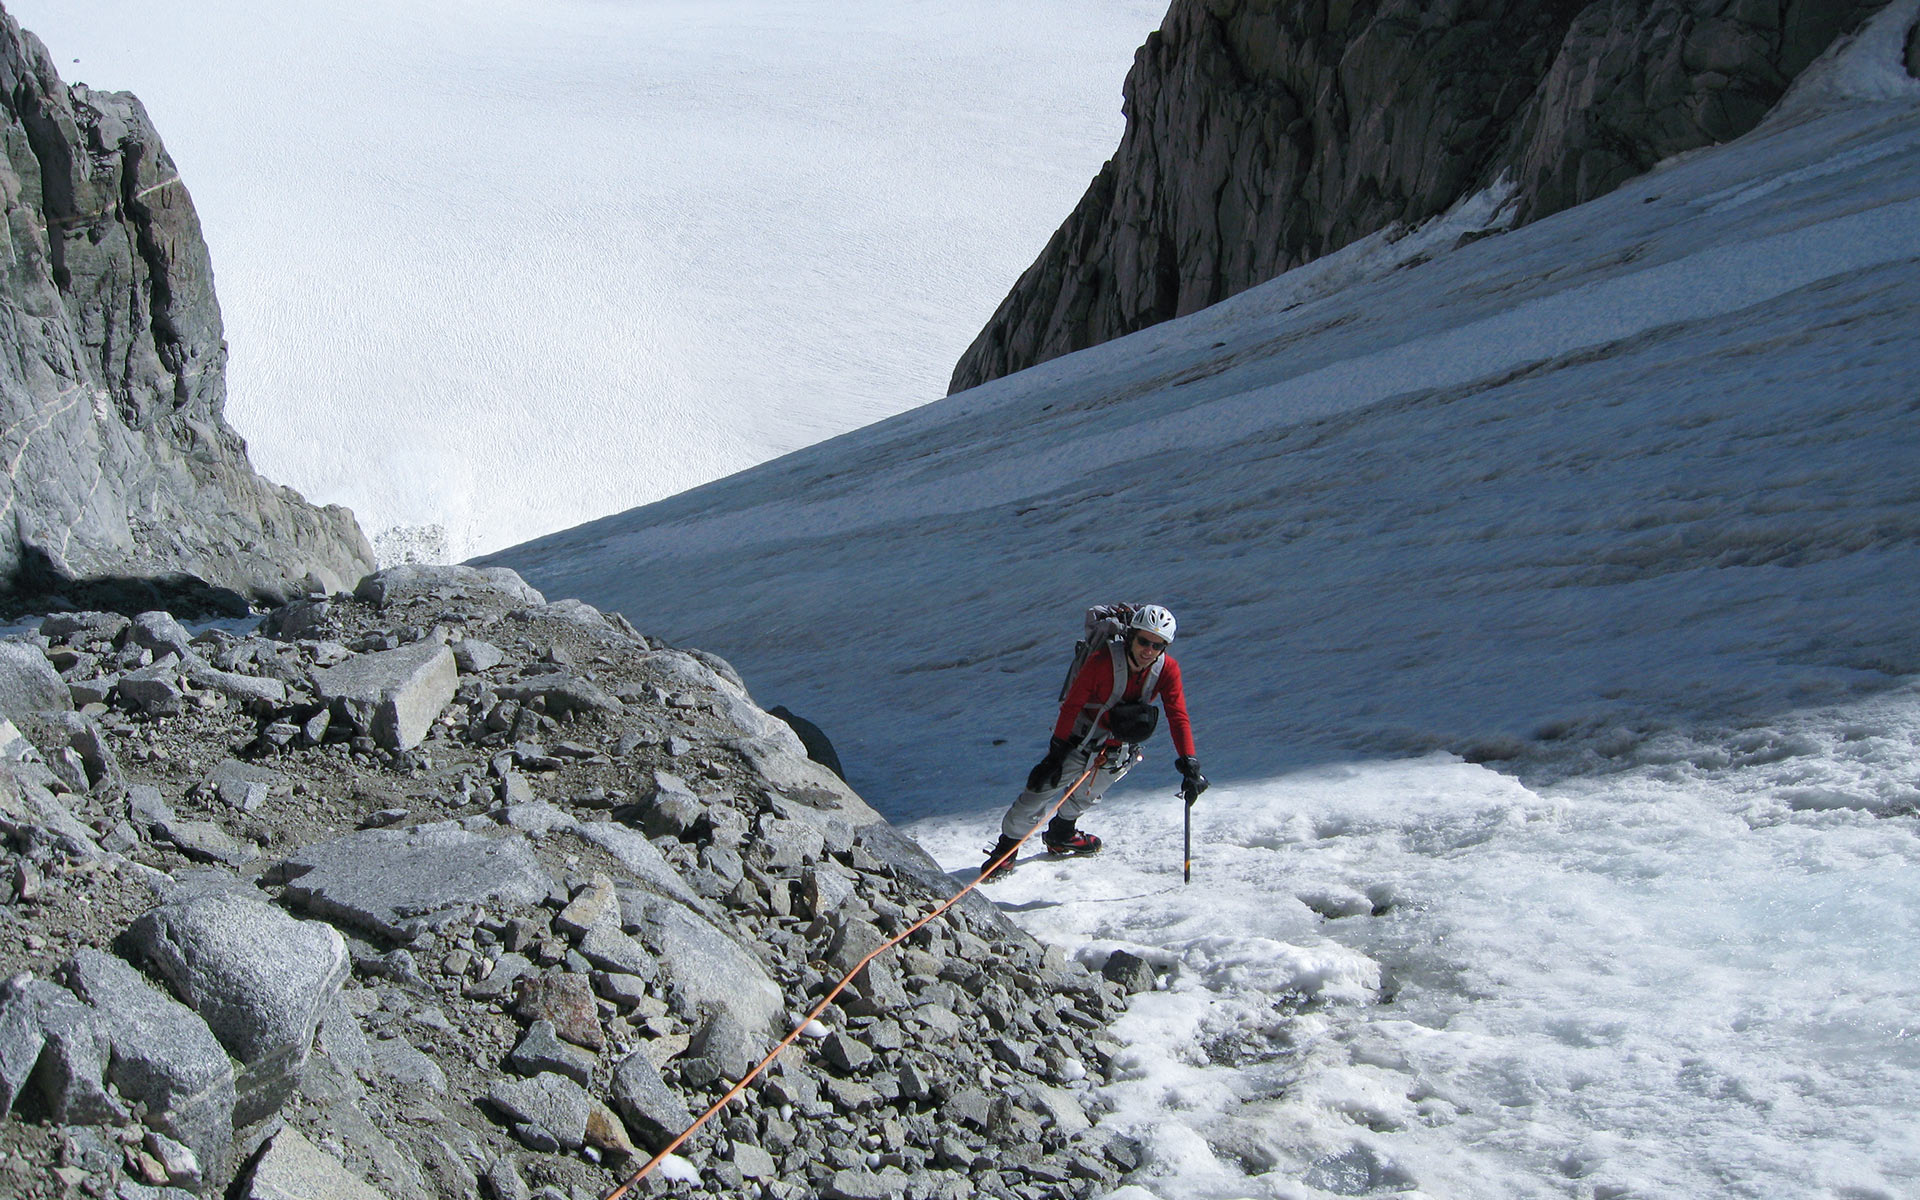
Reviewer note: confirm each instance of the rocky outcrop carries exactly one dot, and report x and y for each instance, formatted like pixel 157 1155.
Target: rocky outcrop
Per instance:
pixel 1262 134
pixel 124 480
pixel 527 946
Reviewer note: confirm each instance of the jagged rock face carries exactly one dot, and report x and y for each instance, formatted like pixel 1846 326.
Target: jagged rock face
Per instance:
pixel 123 473
pixel 1262 134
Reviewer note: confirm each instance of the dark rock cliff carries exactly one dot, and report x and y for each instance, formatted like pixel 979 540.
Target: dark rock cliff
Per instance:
pixel 1262 134
pixel 124 479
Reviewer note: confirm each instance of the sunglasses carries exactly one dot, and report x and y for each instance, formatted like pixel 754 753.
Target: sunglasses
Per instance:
pixel 1153 644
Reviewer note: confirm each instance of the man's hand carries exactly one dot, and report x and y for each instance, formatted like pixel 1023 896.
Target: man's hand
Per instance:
pixel 1046 773
pixel 1192 782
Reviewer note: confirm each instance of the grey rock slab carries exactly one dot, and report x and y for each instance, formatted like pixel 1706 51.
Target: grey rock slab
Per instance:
pixel 721 1049
pixel 410 580
pixel 258 977
pixel 655 1113
pixel 611 950
pixel 341 1039
pixel 293 1168
pixel 553 1102
pixel 401 1061
pixel 707 966
pixel 252 691
pixel 154 690
pixel 88 626
pixel 21 1039
pixel 159 632
pixel 392 695
pixel 28 682
pixel 543 1050
pixel 394 882
pixel 640 857
pixel 563 692
pixel 164 1056
pixel 27 804
pixel 499 982
pixel 203 841
pixel 474 656
pixel 889 1184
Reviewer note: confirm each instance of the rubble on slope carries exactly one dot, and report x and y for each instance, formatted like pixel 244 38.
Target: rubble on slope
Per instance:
pixel 442 890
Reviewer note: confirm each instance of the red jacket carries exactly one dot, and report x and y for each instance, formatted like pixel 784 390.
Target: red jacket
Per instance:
pixel 1094 684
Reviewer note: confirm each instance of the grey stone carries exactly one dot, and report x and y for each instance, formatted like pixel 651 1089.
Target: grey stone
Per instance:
pixel 625 991
pixel 27 804
pixel 146 808
pixel 553 1102
pixel 339 1037
pixel 409 581
pixel 154 690
pixel 865 1185
pixel 706 965
pixel 242 786
pixel 504 1182
pixel 21 1039
pixel 1130 971
pixel 293 1168
pixel 395 882
pixel 159 632
pixel 542 1050
pixel 596 903
pixel 654 1112
pixel 640 857
pixel 84 627
pixel 753 1162
pixel 845 1053
pixel 672 810
pixel 392 695
pixel 249 691
pixel 299 619
pixel 203 841
pixel 87 739
pixel 475 657
pixel 720 1049
pixel 501 980
pixel 401 1061
pixel 48 1028
pixel 164 1056
pixel 28 682
pixel 563 693
pixel 567 1001
pixel 611 950
pixel 258 977
pixel 181 1165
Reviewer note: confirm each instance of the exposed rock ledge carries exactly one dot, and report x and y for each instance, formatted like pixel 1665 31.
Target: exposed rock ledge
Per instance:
pixel 124 480
pixel 1262 134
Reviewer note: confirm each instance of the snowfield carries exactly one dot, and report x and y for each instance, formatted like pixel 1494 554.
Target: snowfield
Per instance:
pixel 490 268
pixel 1547 617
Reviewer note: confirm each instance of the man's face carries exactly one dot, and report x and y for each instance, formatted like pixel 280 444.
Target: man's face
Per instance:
pixel 1143 648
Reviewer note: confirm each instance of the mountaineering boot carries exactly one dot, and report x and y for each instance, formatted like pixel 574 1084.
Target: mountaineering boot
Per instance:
pixel 1005 847
pixel 1062 838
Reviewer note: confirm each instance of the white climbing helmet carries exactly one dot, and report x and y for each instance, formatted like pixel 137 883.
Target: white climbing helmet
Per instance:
pixel 1151 618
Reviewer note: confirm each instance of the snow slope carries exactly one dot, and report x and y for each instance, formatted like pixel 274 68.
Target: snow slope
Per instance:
pixel 1624 504
pixel 1531 496
pixel 501 266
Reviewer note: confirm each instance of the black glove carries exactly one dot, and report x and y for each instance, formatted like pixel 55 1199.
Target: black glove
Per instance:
pixel 1192 782
pixel 1046 773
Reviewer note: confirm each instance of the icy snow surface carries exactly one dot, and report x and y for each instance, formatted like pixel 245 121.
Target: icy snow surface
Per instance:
pixel 1625 505
pixel 500 266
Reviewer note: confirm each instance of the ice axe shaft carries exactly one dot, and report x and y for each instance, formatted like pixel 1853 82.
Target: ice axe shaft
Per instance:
pixel 1186 861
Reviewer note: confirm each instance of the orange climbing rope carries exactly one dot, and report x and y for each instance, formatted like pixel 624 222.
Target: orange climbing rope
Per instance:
pixel 733 1092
